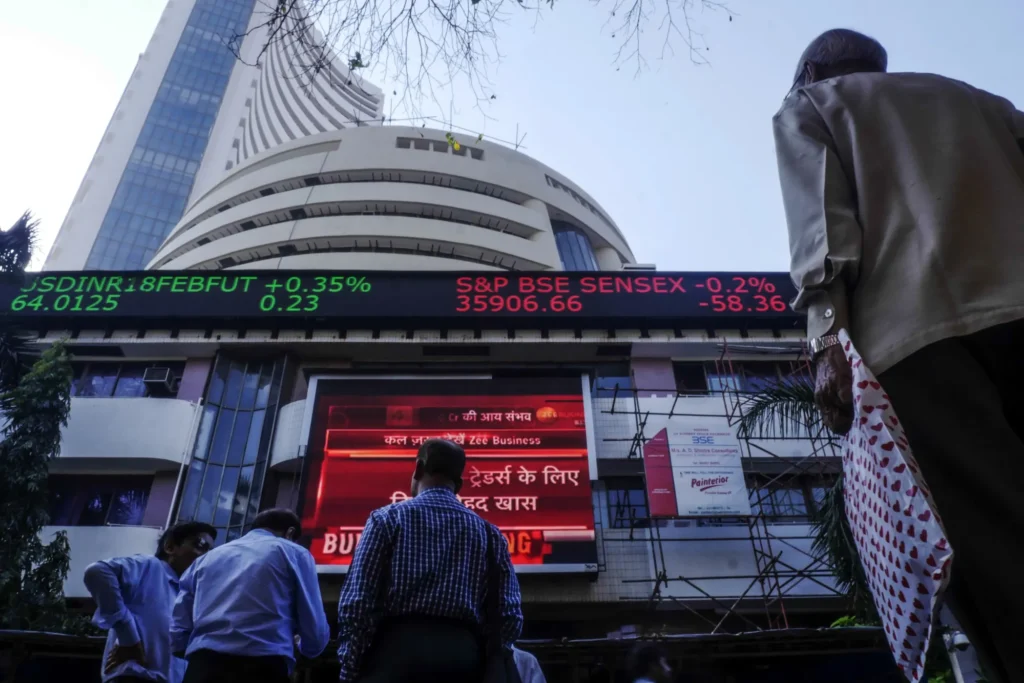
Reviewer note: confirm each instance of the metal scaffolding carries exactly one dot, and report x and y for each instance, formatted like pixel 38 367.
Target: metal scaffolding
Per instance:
pixel 762 605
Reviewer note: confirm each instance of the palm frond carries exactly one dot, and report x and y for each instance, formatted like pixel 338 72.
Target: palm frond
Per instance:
pixel 17 244
pixel 833 541
pixel 782 410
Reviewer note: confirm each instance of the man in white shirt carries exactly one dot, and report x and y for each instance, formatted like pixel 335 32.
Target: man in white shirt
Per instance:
pixel 528 667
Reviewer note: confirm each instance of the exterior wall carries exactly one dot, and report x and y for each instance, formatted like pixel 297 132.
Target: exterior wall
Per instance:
pixel 93 543
pixel 328 200
pixel 126 434
pixel 161 498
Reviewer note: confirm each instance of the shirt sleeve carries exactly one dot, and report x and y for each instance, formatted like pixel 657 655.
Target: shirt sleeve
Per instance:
pixel 821 213
pixel 359 606
pixel 510 601
pixel 106 581
pixel 314 633
pixel 181 615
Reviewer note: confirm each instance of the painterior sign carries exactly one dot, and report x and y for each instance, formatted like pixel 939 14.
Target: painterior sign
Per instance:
pixel 527 470
pixel 694 469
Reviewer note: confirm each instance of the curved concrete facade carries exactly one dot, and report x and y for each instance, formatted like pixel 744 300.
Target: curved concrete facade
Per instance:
pixel 388 198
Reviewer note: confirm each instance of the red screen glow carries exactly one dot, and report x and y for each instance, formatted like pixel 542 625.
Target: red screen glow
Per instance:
pixel 526 470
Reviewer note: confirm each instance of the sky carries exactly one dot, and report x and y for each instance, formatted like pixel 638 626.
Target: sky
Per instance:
pixel 680 156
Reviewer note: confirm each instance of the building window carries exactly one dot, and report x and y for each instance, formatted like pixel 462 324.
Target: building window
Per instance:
pixel 627 504
pixel 752 377
pixel 98 500
pixel 102 379
pixel 225 477
pixel 612 381
pixel 690 378
pixel 574 248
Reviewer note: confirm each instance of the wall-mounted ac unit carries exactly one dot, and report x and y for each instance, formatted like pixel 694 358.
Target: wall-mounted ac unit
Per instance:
pixel 159 381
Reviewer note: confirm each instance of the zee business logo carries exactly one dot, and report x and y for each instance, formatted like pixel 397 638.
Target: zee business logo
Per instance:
pixel 708 483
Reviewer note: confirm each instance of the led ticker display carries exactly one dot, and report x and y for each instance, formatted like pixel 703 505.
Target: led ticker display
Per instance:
pixel 526 472
pixel 400 295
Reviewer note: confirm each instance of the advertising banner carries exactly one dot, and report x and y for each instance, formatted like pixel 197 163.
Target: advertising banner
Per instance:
pixel 703 457
pixel 527 470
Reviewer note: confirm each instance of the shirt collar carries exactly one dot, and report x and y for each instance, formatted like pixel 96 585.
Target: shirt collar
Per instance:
pixel 172 575
pixel 442 491
pixel 260 532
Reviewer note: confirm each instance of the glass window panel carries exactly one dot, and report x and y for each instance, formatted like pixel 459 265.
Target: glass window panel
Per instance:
pixel 232 533
pixel 95 511
pixel 222 436
pixel 211 491
pixel 206 425
pixel 263 392
pixel 216 392
pixel 98 381
pixel 254 492
pixel 249 386
pixel 61 506
pixel 189 496
pixel 239 434
pixel 242 499
pixel 265 438
pixel 128 506
pixel 226 498
pixel 233 386
pixel 129 382
pixel 252 443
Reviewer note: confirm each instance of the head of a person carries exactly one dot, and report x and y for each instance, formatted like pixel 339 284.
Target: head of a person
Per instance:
pixel 183 543
pixel 439 463
pixel 281 522
pixel 839 52
pixel 648 660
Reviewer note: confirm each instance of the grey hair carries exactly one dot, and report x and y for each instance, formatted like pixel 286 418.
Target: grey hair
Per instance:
pixel 841 46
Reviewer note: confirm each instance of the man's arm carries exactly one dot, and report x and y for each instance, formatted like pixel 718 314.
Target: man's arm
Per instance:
pixel 359 604
pixel 105 581
pixel 312 621
pixel 821 213
pixel 510 601
pixel 181 615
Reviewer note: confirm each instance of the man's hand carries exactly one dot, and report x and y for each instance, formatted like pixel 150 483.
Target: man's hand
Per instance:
pixel 125 653
pixel 833 389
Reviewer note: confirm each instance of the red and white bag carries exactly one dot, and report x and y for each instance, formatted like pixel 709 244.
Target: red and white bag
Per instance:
pixel 899 535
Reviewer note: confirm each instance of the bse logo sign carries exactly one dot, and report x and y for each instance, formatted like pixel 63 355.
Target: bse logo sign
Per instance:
pixel 702 439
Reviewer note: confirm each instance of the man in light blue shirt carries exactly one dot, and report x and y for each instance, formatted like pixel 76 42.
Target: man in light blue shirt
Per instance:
pixel 648 664
pixel 528 667
pixel 241 606
pixel 134 598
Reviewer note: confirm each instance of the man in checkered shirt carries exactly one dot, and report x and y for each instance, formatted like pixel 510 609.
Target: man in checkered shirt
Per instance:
pixel 413 605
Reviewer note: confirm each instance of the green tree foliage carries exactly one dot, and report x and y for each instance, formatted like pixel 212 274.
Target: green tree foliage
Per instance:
pixel 34 403
pixel 32 573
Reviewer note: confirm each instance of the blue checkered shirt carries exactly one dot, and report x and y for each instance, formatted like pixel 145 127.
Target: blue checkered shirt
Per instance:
pixel 426 557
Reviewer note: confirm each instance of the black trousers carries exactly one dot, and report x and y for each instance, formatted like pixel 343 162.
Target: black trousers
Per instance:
pixel 426 651
pixel 207 666
pixel 961 401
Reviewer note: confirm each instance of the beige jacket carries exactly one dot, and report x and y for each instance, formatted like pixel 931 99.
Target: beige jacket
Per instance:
pixel 904 196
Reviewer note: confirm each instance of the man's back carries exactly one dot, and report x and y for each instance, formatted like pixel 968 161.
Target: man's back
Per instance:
pixel 935 177
pixel 425 558
pixel 251 596
pixel 439 559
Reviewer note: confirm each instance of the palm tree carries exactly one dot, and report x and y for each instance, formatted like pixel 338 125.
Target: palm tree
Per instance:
pixel 787 410
pixel 16 247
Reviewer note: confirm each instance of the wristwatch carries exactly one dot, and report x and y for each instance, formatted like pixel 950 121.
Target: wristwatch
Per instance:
pixel 819 344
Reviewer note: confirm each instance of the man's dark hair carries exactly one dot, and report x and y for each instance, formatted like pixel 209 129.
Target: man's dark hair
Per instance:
pixel 442 457
pixel 642 658
pixel 179 533
pixel 841 51
pixel 279 520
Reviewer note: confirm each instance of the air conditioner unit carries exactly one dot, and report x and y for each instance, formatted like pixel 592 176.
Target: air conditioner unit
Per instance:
pixel 159 381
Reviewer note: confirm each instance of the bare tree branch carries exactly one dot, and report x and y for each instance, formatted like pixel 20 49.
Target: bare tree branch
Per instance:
pixel 427 46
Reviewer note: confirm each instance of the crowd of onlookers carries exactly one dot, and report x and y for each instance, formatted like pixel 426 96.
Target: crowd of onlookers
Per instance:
pixel 431 595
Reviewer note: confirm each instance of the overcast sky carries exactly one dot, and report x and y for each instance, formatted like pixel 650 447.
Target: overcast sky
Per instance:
pixel 680 156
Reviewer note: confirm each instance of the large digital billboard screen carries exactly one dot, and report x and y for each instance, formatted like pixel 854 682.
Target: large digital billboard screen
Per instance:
pixel 527 469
